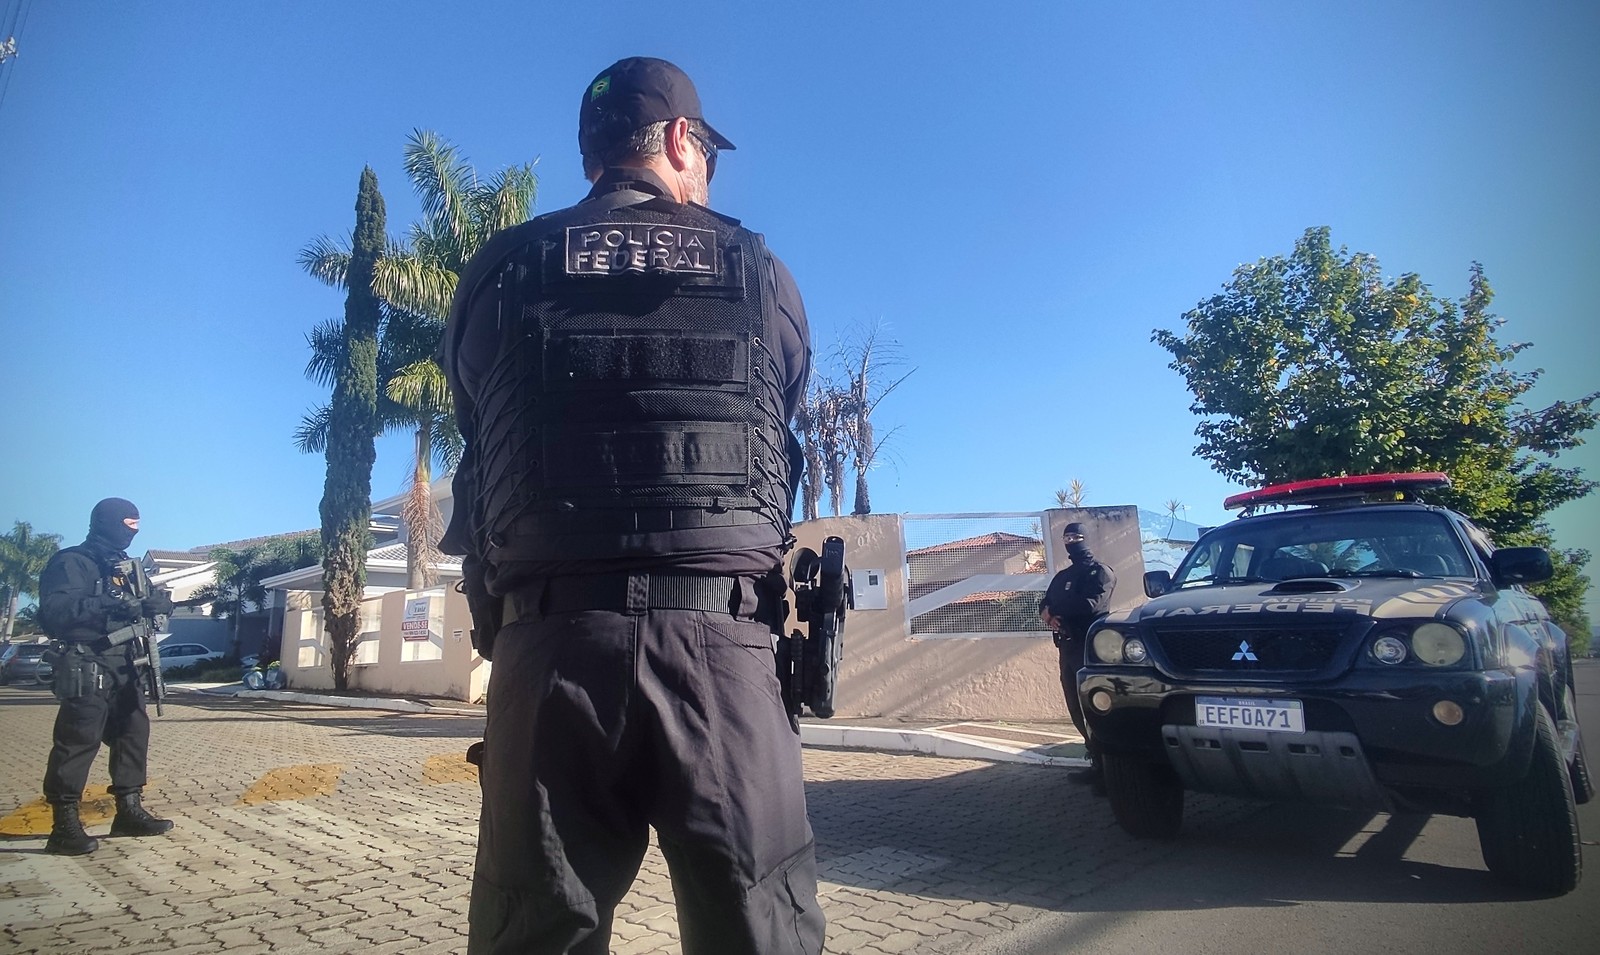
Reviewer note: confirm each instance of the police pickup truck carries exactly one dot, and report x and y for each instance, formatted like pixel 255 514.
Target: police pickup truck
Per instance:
pixel 1344 643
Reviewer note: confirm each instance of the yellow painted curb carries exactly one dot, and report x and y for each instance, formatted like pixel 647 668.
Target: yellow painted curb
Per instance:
pixel 448 768
pixel 35 819
pixel 293 782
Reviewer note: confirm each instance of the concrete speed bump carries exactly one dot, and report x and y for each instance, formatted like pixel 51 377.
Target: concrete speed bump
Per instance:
pixel 35 819
pixel 293 782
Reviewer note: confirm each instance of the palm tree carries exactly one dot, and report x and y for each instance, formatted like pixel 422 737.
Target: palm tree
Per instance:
pixel 864 359
pixel 27 620
pixel 1071 496
pixel 822 428
pixel 1173 506
pixel 23 555
pixel 417 280
pixel 412 397
pixel 238 582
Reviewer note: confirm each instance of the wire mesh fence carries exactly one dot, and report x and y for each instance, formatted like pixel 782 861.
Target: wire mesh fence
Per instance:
pixel 976 574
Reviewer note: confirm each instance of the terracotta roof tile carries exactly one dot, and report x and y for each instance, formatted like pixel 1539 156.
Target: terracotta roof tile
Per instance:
pixel 993 539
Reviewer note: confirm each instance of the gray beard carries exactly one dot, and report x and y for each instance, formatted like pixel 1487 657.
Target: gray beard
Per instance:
pixel 699 191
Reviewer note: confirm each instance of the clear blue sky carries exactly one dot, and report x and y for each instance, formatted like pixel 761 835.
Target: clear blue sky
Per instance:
pixel 1020 191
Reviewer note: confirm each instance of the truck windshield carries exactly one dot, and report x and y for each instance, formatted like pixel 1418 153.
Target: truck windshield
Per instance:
pixel 1356 542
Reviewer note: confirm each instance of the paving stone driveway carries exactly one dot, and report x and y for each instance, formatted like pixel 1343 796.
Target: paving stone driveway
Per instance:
pixel 311 829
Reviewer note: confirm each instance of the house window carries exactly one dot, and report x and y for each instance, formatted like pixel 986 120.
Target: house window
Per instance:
pixel 309 654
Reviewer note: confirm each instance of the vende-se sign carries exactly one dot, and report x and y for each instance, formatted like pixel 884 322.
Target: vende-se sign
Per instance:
pixel 414 626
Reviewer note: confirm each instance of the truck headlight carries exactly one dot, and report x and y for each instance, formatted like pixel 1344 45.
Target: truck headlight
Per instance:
pixel 1438 644
pixel 1390 650
pixel 1108 646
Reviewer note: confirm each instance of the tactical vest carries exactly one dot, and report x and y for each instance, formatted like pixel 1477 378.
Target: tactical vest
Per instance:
pixel 78 632
pixel 635 407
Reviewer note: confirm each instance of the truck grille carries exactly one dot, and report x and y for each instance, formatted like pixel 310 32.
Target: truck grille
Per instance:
pixel 1285 649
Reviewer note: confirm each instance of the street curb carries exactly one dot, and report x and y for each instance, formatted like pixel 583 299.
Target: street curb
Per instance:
pixel 346 702
pixel 922 742
pixel 928 742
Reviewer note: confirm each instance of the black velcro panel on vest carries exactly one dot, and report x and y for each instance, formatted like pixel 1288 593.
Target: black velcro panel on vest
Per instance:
pixel 578 359
pixel 658 453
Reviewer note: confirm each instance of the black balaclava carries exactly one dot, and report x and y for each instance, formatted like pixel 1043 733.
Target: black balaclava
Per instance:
pixel 1077 550
pixel 105 523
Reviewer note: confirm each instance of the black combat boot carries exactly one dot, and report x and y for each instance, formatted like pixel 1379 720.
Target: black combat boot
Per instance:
pixel 132 820
pixel 67 837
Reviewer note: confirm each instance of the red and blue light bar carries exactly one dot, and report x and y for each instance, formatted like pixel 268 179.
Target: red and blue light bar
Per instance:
pixel 1356 485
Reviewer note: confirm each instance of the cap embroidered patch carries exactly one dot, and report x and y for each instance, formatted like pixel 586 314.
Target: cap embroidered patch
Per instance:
pixel 606 248
pixel 599 88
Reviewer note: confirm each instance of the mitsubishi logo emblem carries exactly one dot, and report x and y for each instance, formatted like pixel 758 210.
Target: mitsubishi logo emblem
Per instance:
pixel 1245 652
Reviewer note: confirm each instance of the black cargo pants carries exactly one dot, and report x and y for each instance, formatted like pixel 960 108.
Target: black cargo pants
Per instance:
pixel 603 724
pixel 114 716
pixel 1070 652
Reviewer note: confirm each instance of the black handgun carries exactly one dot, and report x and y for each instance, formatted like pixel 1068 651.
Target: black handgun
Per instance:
pixel 808 663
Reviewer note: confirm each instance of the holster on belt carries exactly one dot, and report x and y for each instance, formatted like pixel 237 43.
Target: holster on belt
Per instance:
pixel 77 674
pixel 485 608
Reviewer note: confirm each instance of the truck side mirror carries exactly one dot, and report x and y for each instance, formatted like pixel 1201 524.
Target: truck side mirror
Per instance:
pixel 1156 583
pixel 1520 565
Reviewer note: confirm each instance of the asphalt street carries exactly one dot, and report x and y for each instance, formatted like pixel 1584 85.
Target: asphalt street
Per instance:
pixel 305 828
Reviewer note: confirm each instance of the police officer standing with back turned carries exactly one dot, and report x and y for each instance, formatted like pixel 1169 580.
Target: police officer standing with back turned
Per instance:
pixel 1079 594
pixel 102 697
pixel 624 371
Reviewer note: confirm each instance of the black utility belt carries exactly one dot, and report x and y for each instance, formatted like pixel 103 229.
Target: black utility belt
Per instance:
pixel 636 594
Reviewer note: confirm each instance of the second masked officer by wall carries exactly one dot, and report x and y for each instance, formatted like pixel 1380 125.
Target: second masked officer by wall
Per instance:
pixel 1079 594
pixel 624 371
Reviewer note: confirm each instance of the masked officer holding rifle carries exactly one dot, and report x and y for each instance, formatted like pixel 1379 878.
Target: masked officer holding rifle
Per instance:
pixel 624 371
pixel 81 606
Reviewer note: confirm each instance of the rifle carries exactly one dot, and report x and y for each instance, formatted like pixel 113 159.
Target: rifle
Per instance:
pixel 808 663
pixel 128 579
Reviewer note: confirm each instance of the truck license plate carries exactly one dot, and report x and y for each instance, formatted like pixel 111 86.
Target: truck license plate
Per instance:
pixel 1274 716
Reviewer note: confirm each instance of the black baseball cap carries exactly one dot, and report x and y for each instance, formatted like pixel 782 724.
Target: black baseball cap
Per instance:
pixel 631 94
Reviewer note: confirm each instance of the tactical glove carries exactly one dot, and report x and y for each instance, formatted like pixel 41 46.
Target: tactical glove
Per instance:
pixel 119 608
pixel 157 605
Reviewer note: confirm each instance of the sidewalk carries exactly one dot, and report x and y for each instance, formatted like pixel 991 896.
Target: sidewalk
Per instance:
pixel 1045 744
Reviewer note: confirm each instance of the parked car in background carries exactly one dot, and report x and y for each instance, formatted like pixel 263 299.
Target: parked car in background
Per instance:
pixel 185 654
pixel 24 663
pixel 1356 648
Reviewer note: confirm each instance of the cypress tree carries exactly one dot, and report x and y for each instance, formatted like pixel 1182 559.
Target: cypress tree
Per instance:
pixel 352 431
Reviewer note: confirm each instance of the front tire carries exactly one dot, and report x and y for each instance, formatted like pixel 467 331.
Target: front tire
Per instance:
pixel 1578 770
pixel 1146 797
pixel 1528 831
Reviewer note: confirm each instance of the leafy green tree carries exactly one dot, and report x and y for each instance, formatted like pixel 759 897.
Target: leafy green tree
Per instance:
pixel 417 279
pixel 23 554
pixel 1315 365
pixel 352 429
